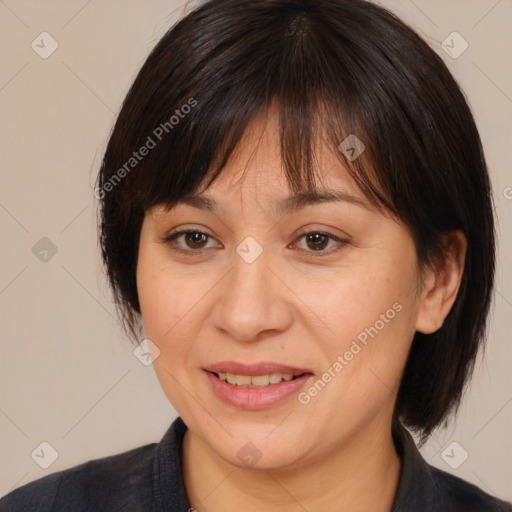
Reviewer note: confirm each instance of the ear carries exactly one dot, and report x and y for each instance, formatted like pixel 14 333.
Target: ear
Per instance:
pixel 441 284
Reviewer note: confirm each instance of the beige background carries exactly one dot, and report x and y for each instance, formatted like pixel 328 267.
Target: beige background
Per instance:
pixel 67 374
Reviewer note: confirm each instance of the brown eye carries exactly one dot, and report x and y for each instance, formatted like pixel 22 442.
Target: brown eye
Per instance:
pixel 317 242
pixel 195 239
pixel 188 241
pixel 194 242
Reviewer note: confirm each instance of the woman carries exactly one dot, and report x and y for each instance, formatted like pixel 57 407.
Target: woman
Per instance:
pixel 296 215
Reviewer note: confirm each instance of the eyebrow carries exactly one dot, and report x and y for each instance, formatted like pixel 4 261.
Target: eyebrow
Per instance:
pixel 286 205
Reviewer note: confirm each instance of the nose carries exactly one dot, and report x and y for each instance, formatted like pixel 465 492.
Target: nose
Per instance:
pixel 252 301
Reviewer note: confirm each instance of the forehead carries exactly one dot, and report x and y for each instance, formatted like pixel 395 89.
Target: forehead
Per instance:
pixel 277 200
pixel 255 176
pixel 257 164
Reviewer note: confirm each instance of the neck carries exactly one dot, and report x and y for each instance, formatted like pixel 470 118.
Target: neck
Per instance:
pixel 362 474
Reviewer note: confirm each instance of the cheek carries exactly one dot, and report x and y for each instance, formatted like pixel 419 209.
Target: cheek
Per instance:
pixel 164 306
pixel 359 301
pixel 154 303
pixel 174 309
pixel 371 324
pixel 165 300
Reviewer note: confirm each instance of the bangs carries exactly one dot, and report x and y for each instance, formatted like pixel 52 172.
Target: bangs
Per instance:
pixel 295 74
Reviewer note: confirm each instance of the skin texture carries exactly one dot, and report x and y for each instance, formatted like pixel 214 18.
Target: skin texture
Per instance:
pixel 290 306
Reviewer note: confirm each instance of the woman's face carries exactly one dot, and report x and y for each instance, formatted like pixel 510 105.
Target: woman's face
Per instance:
pixel 256 297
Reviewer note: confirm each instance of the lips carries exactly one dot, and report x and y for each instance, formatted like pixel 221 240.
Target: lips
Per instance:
pixel 255 386
pixel 263 368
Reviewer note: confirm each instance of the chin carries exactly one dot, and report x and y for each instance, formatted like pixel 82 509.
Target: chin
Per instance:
pixel 258 445
pixel 261 455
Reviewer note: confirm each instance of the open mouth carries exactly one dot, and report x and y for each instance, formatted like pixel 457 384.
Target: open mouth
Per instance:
pixel 255 381
pixel 256 386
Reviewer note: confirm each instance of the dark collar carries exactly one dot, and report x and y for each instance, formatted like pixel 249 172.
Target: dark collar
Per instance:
pixel 168 484
pixel 415 476
pixel 421 487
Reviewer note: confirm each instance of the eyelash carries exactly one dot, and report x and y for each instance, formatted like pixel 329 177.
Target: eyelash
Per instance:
pixel 169 239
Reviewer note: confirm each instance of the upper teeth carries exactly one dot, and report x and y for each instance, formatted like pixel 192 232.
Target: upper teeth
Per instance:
pixel 251 381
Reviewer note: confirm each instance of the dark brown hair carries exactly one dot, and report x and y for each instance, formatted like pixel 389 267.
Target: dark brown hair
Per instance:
pixel 335 67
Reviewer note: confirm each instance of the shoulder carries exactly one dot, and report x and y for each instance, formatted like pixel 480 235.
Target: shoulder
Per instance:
pixel 457 495
pixel 108 483
pixel 425 488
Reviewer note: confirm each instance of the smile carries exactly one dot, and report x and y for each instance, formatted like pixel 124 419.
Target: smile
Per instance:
pixel 255 381
pixel 253 387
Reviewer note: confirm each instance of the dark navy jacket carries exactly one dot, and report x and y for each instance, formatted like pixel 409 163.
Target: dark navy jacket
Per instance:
pixel 149 479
